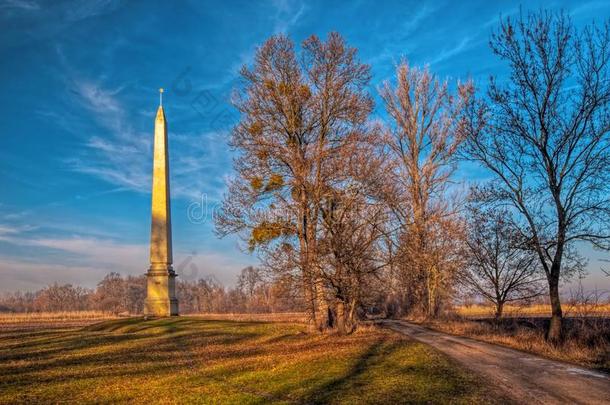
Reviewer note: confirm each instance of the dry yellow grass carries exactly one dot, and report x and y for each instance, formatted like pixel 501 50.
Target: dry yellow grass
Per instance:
pixel 293 317
pixel 32 320
pixel 474 311
pixel 54 316
pixel 94 316
pixel 191 360
pixel 591 350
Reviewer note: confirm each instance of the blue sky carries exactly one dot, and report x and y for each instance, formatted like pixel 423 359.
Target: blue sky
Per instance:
pixel 78 97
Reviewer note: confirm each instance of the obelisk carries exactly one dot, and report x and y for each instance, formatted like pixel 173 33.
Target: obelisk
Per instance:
pixel 161 279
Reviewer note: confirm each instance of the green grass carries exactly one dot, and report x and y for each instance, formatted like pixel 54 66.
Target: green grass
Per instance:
pixel 191 360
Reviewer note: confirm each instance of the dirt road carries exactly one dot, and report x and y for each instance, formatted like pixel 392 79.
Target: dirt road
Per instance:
pixel 526 378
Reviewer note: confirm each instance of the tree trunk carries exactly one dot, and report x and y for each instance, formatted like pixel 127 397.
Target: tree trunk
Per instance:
pixel 323 318
pixel 345 317
pixel 431 292
pixel 309 295
pixel 499 309
pixel 307 268
pixel 351 316
pixel 554 334
pixel 341 318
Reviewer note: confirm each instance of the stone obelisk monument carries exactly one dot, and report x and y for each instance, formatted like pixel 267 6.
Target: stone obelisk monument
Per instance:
pixel 161 279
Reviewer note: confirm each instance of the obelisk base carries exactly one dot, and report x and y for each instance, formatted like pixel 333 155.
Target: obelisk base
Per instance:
pixel 161 292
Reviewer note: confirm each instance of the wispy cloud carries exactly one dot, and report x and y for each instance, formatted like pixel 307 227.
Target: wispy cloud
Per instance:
pixel 6 229
pixel 397 41
pixel 419 16
pixel 587 7
pixel 96 250
pixel 91 8
pixel 20 4
pixel 288 14
pixel 85 260
pixel 28 275
pixel 119 155
pixel 122 156
pixel 448 53
pixel 40 20
pixel 99 100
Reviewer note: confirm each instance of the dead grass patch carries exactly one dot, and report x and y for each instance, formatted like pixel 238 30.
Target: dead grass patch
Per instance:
pixel 37 320
pixel 542 310
pixel 587 340
pixel 293 317
pixel 189 359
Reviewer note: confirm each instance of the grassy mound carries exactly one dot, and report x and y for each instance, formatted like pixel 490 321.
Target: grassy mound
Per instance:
pixel 193 360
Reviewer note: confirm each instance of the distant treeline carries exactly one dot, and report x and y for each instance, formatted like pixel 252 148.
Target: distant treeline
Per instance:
pixel 117 294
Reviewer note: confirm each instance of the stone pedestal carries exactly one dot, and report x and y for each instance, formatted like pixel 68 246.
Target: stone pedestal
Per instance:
pixel 160 292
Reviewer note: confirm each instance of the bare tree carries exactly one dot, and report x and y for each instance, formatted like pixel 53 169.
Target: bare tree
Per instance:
pixel 352 228
pixel 295 117
pixel 56 297
pixel 110 294
pixel 500 266
pixel 544 135
pixel 422 141
pixel 135 294
pixel 254 286
pixel 606 272
pixel 117 294
pixel 249 279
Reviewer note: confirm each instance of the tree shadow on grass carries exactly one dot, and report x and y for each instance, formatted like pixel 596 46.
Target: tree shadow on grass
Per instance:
pixel 52 347
pixel 374 354
pixel 135 325
pixel 145 347
pixel 285 338
pixel 398 371
pixel 113 324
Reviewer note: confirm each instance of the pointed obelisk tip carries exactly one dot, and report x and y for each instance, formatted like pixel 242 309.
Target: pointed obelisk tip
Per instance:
pixel 161 97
